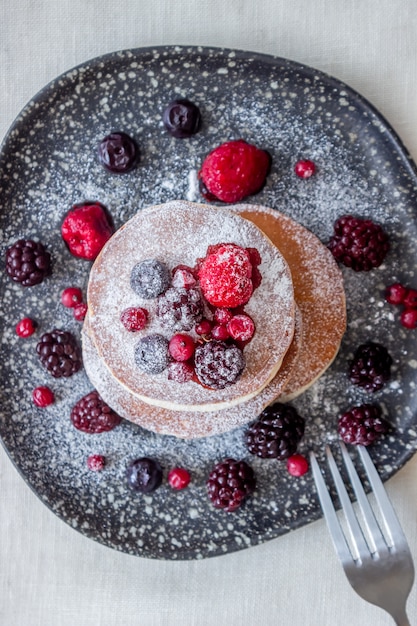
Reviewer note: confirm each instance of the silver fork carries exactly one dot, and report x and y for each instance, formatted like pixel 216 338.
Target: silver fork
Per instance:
pixel 377 564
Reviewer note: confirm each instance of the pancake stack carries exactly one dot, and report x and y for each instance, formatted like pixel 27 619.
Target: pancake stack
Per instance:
pixel 298 310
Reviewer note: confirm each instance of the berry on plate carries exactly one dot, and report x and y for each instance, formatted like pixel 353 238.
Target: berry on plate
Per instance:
pixel 26 327
pixel 134 318
pixel 179 478
pixel 233 171
pixel 304 168
pixel 297 465
pixel 370 367
pixel 276 433
pixel 218 364
pixel 86 228
pixel 71 296
pixel 118 153
pixel 230 483
pixel 43 396
pixel 28 262
pixel 358 243
pixel 96 462
pixel 362 425
pixel 59 353
pixel 92 415
pixel 182 118
pixel 144 475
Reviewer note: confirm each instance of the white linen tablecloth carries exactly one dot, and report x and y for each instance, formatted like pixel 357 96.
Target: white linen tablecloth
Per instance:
pixel 53 576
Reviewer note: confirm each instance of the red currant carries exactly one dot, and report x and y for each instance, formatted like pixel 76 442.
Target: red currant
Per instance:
pixel 80 311
pixel 26 327
pixel 304 168
pixel 134 318
pixel 71 296
pixel 297 465
pixel 43 396
pixel 222 316
pixel 241 327
pixel 395 294
pixel 96 462
pixel 410 299
pixel 220 332
pixel 409 318
pixel 181 347
pixel 203 328
pixel 179 478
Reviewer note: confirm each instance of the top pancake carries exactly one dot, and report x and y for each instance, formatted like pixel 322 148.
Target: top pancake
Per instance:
pixel 180 232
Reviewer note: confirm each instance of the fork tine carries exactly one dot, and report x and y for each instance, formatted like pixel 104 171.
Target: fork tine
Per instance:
pixel 333 523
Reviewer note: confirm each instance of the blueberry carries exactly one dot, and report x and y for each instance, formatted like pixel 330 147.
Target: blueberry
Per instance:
pixel 144 475
pixel 152 354
pixel 150 278
pixel 182 118
pixel 118 153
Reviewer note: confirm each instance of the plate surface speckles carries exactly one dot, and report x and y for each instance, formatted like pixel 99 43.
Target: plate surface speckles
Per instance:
pixel 48 162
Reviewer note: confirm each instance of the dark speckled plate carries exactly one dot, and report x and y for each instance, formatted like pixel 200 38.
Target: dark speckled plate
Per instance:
pixel 48 162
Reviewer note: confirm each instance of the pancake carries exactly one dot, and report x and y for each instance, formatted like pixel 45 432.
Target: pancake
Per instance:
pixel 180 232
pixel 318 291
pixel 182 424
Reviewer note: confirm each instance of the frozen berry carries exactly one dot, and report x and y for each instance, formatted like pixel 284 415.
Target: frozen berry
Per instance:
pixel 96 462
pixel 152 354
pixel 183 277
pixel 220 332
pixel 92 415
pixel 225 276
pixel 276 433
pixel 362 425
pixel 134 319
pixel 180 371
pixel 230 483
pixel 218 364
pixel 86 228
pixel 180 309
pixel 144 475
pixel 370 367
pixel 179 478
pixel 297 465
pixel 222 316
pixel 305 168
pixel 71 296
pixel 43 396
pixel 80 311
pixel 182 118
pixel 118 153
pixel 150 278
pixel 241 327
pixel 26 327
pixel 28 262
pixel 59 353
pixel 234 170
pixel 395 294
pixel 358 243
pixel 410 299
pixel 204 327
pixel 409 318
pixel 181 347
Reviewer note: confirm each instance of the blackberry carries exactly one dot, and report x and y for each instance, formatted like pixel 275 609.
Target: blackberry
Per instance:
pixel 180 309
pixel 358 243
pixel 182 118
pixel 28 262
pixel 144 475
pixel 92 415
pixel 150 278
pixel 370 367
pixel 118 153
pixel 276 433
pixel 230 483
pixel 59 353
pixel 152 354
pixel 218 364
pixel 362 424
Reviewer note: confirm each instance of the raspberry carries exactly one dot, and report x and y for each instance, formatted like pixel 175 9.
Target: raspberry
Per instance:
pixel 180 309
pixel 230 483
pixel 85 230
pixel 71 296
pixel 179 478
pixel 134 319
pixel 218 364
pixel 276 433
pixel 395 294
pixel 80 311
pixel 182 118
pixel 180 372
pixel 183 277
pixel 358 243
pixel 150 278
pixel 92 415
pixel 297 465
pixel 304 168
pixel 28 262
pixel 43 396
pixel 362 425
pixel 59 353
pixel 225 276
pixel 234 170
pixel 370 367
pixel 26 327
pixel 181 347
pixel 408 318
pixel 96 462
pixel 151 354
pixel 410 299
pixel 118 153
pixel 144 475
pixel 241 327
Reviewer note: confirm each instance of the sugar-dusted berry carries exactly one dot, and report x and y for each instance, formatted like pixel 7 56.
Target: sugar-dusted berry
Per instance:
pixel 92 415
pixel 305 168
pixel 86 228
pixel 408 318
pixel 96 462
pixel 134 318
pixel 359 243
pixel 395 293
pixel 80 311
pixel 362 425
pixel 241 327
pixel 180 371
pixel 181 347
